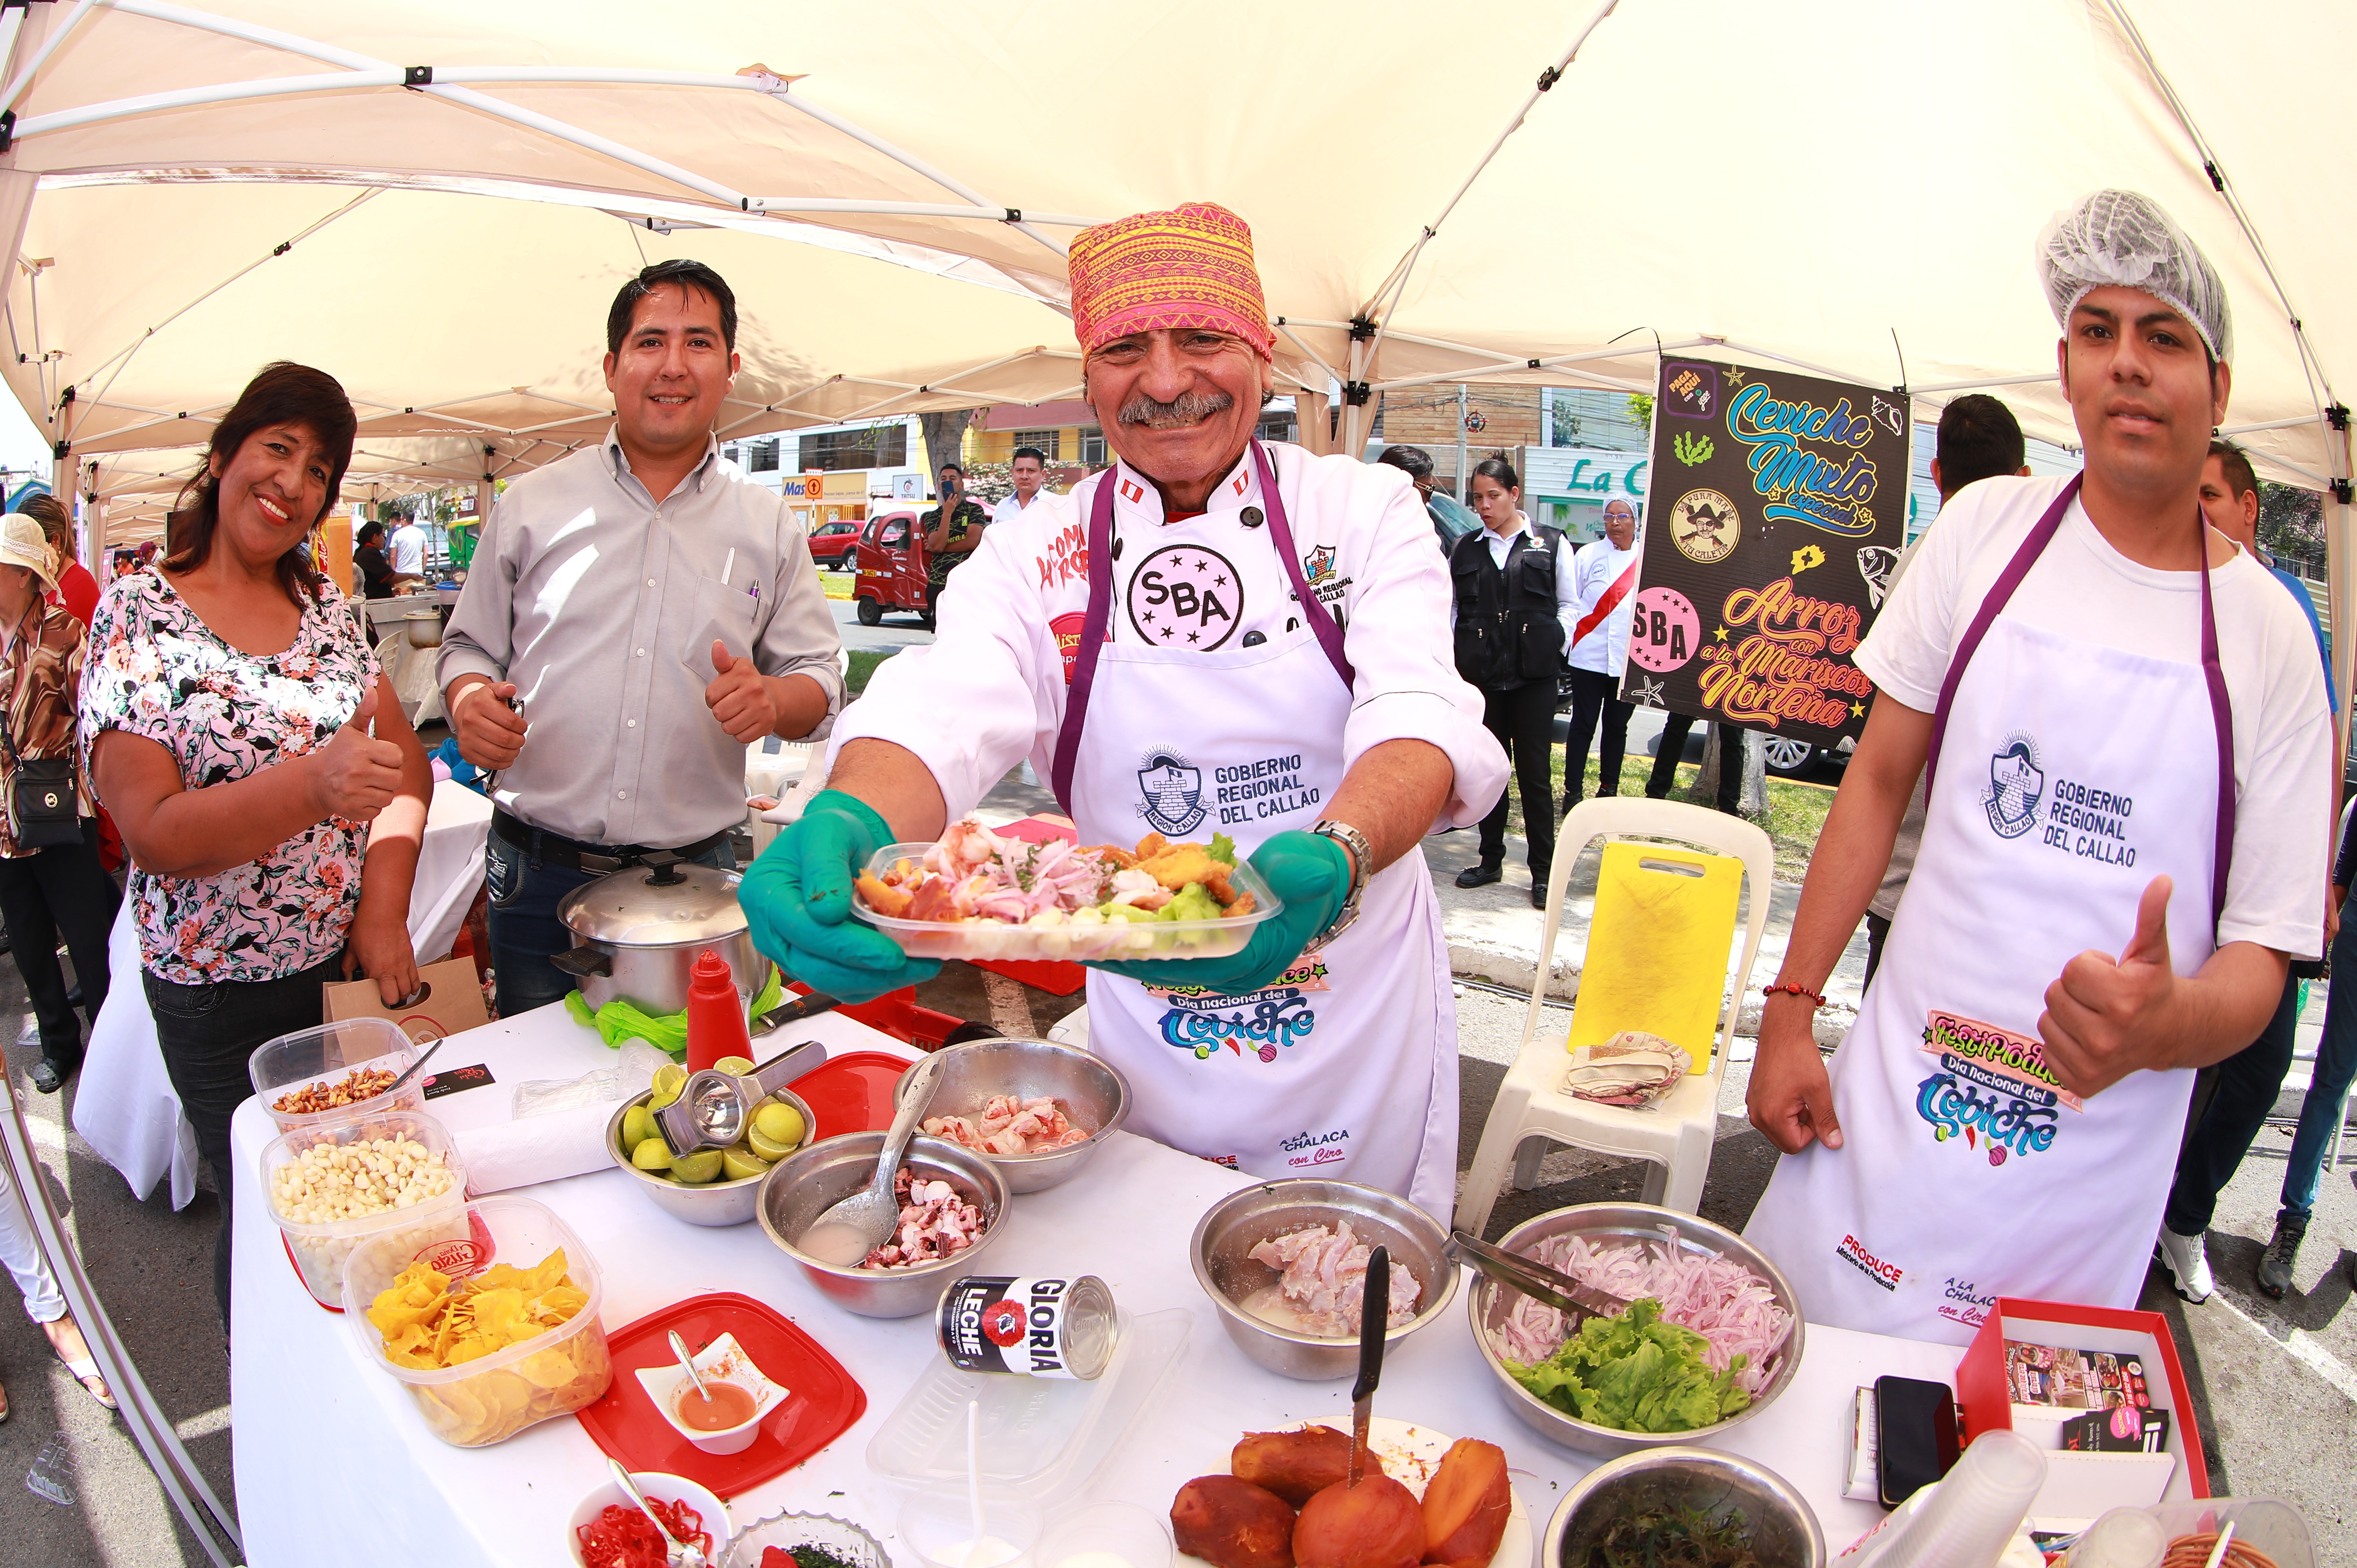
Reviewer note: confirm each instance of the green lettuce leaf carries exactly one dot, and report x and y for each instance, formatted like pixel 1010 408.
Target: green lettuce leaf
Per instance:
pixel 1635 1374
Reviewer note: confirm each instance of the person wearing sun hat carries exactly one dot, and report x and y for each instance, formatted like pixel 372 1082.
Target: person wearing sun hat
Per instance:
pixel 1216 634
pixel 61 890
pixel 2126 728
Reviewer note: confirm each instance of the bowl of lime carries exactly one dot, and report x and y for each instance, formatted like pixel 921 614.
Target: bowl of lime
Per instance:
pixel 710 1187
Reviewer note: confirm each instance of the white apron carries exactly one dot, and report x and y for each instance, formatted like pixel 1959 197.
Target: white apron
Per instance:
pixel 1966 1172
pixel 1345 1068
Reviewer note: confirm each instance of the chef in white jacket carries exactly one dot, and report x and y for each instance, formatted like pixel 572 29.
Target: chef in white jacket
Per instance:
pixel 1604 601
pixel 1216 634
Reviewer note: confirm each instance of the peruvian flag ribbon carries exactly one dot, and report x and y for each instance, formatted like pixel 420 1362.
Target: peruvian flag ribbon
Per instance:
pixel 1605 605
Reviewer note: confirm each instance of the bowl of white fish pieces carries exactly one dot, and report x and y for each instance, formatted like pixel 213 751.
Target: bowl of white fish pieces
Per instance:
pixel 1286 1264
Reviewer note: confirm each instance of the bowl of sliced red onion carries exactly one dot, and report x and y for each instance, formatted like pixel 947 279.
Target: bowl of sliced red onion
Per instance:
pixel 1705 1279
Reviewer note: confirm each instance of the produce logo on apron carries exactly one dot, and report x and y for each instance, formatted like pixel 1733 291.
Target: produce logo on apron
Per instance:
pixel 2016 784
pixel 1256 1024
pixel 1172 789
pixel 1994 1090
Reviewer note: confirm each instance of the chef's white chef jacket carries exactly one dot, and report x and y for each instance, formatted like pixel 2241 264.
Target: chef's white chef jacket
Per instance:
pixel 1594 569
pixel 990 689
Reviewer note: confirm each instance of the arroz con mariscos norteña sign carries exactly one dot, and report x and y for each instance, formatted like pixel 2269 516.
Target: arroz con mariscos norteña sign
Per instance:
pixel 1777 506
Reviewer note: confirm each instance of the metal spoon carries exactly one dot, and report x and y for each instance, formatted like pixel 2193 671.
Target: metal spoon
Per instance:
pixel 676 1552
pixel 874 1212
pixel 414 1067
pixel 687 1365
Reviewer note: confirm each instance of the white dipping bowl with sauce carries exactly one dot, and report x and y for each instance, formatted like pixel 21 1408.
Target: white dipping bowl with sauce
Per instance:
pixel 1225 1236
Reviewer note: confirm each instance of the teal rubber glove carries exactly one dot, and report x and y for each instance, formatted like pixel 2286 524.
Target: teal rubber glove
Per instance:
pixel 797 903
pixel 1310 873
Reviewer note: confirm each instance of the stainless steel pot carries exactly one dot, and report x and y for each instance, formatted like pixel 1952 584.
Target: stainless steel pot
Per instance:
pixel 425 627
pixel 637 932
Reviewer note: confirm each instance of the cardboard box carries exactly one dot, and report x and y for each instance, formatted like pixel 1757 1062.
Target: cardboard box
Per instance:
pixel 450 1001
pixel 2080 1485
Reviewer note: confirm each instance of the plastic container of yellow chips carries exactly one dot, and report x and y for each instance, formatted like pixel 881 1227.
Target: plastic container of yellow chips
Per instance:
pixel 488 1256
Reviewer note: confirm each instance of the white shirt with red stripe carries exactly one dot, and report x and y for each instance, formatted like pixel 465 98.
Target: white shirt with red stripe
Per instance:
pixel 1600 574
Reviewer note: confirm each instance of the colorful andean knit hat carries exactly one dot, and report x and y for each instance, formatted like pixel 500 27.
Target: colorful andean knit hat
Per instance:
pixel 1191 266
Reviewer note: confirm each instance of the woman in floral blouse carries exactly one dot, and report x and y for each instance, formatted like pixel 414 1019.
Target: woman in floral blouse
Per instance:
pixel 61 890
pixel 255 759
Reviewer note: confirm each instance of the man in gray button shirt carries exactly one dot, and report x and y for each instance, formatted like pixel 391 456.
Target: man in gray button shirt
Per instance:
pixel 637 614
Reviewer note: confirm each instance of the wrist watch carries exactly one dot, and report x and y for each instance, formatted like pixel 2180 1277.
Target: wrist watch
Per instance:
pixel 1363 855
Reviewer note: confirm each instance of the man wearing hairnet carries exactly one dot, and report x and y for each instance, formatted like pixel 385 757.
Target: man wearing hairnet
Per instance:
pixel 2121 721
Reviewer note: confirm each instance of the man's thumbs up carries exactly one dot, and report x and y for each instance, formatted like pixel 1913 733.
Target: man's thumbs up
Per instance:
pixel 739 697
pixel 2103 1014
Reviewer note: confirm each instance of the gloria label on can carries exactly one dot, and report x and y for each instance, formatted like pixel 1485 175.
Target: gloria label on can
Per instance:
pixel 1034 1327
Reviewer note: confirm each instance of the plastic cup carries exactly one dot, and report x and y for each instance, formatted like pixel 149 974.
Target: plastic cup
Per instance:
pixel 938 1529
pixel 1107 1535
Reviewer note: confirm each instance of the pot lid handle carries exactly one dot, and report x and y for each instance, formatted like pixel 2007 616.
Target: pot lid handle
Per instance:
pixel 666 866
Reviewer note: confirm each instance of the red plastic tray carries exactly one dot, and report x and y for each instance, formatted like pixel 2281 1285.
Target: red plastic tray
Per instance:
pixel 823 1402
pixel 851 1093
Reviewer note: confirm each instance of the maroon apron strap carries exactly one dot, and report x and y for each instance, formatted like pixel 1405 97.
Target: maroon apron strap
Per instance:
pixel 2213 674
pixel 1099 565
pixel 1322 624
pixel 1092 626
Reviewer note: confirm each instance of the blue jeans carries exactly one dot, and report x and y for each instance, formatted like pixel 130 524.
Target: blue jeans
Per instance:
pixel 523 893
pixel 2336 1064
pixel 2228 1111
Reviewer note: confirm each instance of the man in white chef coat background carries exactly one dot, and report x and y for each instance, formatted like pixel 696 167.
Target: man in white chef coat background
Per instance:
pixel 1215 635
pixel 2125 721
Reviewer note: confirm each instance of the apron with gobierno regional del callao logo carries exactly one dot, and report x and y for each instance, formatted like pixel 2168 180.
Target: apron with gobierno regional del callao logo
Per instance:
pixel 1338 1070
pixel 1967 1171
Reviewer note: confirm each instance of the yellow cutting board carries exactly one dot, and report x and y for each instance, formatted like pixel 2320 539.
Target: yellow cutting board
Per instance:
pixel 1657 947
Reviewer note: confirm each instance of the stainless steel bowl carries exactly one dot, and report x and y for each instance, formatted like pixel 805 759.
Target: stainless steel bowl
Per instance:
pixel 803 1185
pixel 1488 1302
pixel 1232 1226
pixel 714 1202
pixel 1095 1096
pixel 1784 1529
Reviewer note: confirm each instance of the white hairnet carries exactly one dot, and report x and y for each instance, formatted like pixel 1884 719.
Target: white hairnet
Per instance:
pixel 2119 239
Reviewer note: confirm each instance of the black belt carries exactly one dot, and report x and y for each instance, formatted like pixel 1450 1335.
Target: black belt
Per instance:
pixel 573 855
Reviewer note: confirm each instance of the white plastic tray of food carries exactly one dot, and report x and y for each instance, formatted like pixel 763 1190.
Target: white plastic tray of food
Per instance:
pixel 1409 1455
pixel 1041 1437
pixel 978 937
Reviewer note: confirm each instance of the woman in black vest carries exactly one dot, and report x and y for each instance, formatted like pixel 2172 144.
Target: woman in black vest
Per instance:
pixel 1511 582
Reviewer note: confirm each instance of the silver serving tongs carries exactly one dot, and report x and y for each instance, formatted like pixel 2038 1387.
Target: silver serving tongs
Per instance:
pixel 1576 1301
pixel 713 1106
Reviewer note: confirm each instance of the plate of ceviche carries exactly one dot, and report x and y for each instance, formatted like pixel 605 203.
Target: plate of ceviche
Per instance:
pixel 975 893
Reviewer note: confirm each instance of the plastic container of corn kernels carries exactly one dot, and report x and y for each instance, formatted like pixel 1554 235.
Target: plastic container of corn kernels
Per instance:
pixel 319 1248
pixel 1072 941
pixel 490 1399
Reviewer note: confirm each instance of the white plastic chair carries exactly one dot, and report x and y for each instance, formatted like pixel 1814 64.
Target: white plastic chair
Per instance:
pixel 1676 1133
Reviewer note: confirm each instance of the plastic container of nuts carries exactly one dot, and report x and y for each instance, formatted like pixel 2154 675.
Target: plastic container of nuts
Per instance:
pixel 337 1185
pixel 334 1072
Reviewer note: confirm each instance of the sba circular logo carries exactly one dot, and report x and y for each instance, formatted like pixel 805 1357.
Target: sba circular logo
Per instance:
pixel 2016 786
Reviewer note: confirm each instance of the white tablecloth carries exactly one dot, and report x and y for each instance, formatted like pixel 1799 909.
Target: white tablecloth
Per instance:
pixel 333 1459
pixel 123 1102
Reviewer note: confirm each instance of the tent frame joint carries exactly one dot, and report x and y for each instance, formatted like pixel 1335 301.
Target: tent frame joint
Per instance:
pixel 1358 394
pixel 416 76
pixel 2338 415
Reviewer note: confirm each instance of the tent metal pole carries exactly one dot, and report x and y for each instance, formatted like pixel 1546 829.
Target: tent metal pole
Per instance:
pixel 2301 423
pixel 191 1495
pixel 907 210
pixel 1732 347
pixel 57 35
pixel 2339 573
pixel 1308 352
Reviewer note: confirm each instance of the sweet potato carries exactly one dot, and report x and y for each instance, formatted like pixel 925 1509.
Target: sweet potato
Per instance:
pixel 1375 1524
pixel 1465 1505
pixel 1296 1465
pixel 1230 1523
pixel 887 901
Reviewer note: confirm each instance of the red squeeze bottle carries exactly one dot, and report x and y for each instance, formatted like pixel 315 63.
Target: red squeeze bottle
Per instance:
pixel 716 1014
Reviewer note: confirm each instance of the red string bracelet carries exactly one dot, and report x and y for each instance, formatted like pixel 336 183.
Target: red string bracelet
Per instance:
pixel 1797 988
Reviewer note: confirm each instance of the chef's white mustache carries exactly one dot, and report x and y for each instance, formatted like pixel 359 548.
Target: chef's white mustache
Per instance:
pixel 1186 409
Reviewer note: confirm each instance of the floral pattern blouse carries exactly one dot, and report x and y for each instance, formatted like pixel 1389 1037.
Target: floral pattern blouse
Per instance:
pixel 154 670
pixel 38 673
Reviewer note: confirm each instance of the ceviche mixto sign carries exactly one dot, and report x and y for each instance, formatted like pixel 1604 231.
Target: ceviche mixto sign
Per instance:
pixel 1778 505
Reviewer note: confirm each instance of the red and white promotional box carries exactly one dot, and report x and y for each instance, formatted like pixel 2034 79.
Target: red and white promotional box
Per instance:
pixel 2068 1360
